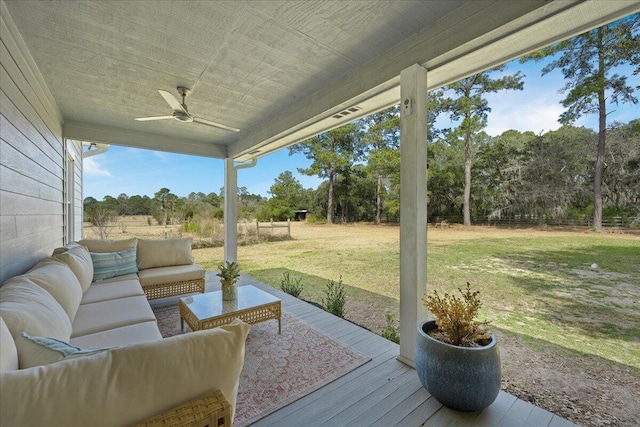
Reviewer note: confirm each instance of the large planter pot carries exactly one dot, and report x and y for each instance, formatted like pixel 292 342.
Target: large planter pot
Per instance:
pixel 463 378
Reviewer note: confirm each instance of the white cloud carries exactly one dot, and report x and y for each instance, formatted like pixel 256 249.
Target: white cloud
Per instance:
pixel 523 112
pixel 91 167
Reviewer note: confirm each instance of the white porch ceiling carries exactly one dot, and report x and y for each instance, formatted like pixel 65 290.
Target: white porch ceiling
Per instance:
pixel 278 70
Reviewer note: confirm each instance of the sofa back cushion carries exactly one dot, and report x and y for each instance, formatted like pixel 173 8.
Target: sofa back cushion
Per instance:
pixel 79 261
pixel 26 307
pixel 8 352
pixel 111 264
pixel 102 246
pixel 164 253
pixel 56 277
pixel 125 385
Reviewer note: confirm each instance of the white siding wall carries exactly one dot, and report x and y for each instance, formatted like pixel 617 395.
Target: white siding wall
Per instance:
pixel 31 160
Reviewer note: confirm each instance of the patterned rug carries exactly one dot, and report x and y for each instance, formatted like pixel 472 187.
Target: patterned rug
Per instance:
pixel 279 369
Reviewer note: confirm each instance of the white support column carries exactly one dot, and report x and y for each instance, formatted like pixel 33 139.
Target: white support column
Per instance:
pixel 230 211
pixel 413 206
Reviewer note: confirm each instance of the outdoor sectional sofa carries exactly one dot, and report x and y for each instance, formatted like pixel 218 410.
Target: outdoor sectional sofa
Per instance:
pixel 78 351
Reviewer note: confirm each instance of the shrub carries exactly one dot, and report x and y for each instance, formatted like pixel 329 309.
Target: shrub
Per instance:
pixel 390 331
pixel 335 299
pixel 291 286
pixel 313 219
pixel 455 318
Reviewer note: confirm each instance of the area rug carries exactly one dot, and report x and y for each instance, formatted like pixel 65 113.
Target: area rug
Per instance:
pixel 279 369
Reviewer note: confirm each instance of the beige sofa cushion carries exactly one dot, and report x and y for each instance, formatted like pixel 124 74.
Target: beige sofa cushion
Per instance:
pixel 177 273
pixel 124 335
pixel 79 261
pixel 105 315
pixel 56 277
pixel 26 307
pixel 104 246
pixel 164 253
pixel 8 351
pixel 139 380
pixel 110 289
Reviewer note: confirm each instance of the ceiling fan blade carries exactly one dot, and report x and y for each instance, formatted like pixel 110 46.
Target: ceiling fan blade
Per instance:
pixel 172 101
pixel 214 124
pixel 148 119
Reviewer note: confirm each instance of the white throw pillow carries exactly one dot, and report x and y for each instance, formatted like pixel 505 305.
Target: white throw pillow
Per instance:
pixel 164 253
pixel 26 307
pixel 8 352
pixel 56 277
pixel 79 261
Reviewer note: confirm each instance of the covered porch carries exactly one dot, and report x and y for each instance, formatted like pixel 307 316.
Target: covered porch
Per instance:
pixel 280 72
pixel 382 392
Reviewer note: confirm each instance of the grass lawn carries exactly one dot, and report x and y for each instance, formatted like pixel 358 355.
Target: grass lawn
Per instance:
pixel 536 283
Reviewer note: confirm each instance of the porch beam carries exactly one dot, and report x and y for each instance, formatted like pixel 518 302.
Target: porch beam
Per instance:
pixel 230 211
pixel 85 131
pixel 413 206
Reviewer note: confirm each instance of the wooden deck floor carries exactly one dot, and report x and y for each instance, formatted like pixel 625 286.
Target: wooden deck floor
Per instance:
pixel 384 391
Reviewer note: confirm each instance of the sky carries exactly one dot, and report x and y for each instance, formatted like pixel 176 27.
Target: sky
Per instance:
pixel 143 172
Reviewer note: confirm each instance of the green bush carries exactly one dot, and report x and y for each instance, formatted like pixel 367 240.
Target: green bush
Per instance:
pixel 391 331
pixel 291 286
pixel 336 297
pixel 313 219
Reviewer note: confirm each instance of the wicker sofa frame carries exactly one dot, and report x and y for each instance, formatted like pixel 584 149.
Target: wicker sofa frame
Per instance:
pixel 172 289
pixel 210 410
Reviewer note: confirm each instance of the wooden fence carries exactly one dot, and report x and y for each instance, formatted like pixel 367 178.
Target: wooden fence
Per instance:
pixel 614 221
pixel 273 225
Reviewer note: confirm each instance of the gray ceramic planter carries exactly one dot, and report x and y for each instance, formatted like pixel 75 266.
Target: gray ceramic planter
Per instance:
pixel 463 378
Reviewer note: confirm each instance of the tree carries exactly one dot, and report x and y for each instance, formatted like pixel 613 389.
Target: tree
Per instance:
pixel 331 153
pixel 123 204
pixel 553 173
pixel 587 62
pixel 498 176
pixel 287 195
pixel 165 201
pixel 472 109
pixel 382 136
pixel 622 170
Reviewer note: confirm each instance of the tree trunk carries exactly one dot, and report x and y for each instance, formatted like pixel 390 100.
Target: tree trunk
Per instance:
pixel 602 138
pixel 345 208
pixel 330 198
pixel 379 200
pixel 466 212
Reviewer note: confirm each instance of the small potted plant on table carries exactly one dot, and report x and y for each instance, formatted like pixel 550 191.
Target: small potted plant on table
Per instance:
pixel 229 273
pixel 457 360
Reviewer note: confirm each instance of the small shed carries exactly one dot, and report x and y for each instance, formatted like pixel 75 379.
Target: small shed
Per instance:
pixel 302 215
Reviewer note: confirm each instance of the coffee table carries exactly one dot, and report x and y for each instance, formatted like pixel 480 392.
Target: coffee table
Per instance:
pixel 208 310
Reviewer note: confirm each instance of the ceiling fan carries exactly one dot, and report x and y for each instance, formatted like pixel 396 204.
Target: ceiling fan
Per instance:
pixel 180 111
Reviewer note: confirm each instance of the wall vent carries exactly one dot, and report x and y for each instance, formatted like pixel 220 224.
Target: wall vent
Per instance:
pixel 346 112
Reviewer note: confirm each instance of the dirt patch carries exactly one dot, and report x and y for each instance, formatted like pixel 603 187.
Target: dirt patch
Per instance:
pixel 588 390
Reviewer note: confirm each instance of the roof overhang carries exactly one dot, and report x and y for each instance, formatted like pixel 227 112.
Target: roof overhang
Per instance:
pixel 103 62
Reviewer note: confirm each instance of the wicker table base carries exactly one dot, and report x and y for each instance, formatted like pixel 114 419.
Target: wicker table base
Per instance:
pixel 206 311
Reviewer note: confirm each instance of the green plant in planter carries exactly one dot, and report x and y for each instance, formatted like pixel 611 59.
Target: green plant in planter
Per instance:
pixel 229 272
pixel 457 360
pixel 455 318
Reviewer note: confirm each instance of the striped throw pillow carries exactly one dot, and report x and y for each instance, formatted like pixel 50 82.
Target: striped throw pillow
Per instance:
pixel 112 264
